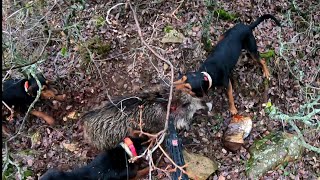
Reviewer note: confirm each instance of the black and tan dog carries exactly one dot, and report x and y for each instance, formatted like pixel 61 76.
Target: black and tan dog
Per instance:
pixel 111 164
pixel 20 93
pixel 215 71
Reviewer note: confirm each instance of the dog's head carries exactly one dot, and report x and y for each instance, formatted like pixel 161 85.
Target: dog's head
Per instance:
pixel 194 83
pixel 32 87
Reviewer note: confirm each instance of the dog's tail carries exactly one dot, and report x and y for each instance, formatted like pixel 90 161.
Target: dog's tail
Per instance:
pixel 262 18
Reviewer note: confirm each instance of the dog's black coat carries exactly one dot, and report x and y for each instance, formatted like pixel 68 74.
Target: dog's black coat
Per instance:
pixel 14 94
pixel 225 55
pixel 109 165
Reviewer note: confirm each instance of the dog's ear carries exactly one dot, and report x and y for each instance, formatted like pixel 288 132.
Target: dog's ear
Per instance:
pixel 30 90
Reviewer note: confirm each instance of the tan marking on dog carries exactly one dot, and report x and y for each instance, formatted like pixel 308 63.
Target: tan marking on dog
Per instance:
pixel 265 69
pixel 43 116
pixel 180 81
pixel 232 107
pixel 47 94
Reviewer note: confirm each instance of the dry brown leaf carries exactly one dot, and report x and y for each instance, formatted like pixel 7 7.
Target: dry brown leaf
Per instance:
pixel 70 146
pixel 165 66
pixel 72 115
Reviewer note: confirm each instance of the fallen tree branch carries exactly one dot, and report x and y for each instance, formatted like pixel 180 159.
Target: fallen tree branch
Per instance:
pixel 274 113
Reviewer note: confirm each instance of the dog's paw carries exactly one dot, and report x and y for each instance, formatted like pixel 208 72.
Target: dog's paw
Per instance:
pixel 266 75
pixel 233 111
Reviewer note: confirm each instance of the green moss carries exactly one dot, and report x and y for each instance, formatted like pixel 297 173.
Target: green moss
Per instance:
pixel 27 173
pixel 100 21
pixel 8 173
pixel 167 29
pixel 96 46
pixel 267 54
pixel 224 15
pixel 207 43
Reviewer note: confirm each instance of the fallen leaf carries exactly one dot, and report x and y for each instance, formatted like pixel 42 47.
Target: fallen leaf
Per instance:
pixel 165 66
pixel 73 115
pixel 35 138
pixel 70 146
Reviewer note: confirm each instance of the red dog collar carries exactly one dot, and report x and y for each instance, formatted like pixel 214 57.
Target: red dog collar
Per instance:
pixel 127 141
pixel 26 87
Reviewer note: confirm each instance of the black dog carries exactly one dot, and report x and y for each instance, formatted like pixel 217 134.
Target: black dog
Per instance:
pixel 20 93
pixel 216 69
pixel 110 165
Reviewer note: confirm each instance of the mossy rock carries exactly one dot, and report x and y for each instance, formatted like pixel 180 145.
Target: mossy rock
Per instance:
pixel 198 165
pixel 96 46
pixel 224 15
pixel 272 151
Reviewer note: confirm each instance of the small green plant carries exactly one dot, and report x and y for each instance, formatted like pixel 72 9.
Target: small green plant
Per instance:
pixel 167 29
pixel 64 52
pixel 100 21
pixel 224 15
pixel 267 54
pixel 96 46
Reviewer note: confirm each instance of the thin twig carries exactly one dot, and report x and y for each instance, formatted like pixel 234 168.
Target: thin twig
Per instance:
pixel 173 13
pixel 35 61
pixel 108 12
pixel 177 166
pixel 172 75
pixel 55 3
pixel 10 109
pixel 7 74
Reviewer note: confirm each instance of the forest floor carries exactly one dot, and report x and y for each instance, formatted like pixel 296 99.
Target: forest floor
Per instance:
pixel 123 65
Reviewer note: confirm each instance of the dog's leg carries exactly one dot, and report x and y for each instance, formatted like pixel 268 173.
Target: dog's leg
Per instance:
pixel 60 97
pixel 51 94
pixel 251 46
pixel 43 116
pixel 232 107
pixel 265 69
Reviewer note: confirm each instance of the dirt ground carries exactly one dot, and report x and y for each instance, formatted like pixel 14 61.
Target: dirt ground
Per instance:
pixel 128 67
